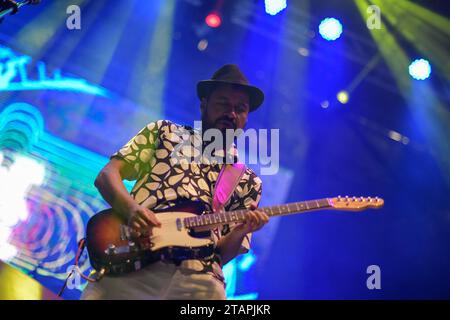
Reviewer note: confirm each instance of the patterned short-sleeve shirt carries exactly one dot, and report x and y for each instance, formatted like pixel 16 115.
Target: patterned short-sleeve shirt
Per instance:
pixel 162 181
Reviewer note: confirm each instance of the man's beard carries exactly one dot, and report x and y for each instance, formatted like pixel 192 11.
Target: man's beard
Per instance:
pixel 206 124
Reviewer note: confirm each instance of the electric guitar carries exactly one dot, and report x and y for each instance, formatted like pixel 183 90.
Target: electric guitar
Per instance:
pixel 182 234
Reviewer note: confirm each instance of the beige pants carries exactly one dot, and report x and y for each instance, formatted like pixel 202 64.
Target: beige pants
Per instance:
pixel 161 281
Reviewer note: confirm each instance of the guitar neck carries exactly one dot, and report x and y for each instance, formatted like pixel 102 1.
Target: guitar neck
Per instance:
pixel 221 218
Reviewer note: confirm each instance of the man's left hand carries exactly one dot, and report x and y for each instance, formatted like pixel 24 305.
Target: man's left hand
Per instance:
pixel 254 220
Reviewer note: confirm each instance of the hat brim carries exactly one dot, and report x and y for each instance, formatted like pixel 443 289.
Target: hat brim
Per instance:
pixel 256 96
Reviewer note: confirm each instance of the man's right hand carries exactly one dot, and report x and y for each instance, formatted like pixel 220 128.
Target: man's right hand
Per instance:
pixel 142 220
pixel 110 184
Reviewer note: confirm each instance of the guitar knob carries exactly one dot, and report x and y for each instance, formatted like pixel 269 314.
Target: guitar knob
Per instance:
pixel 111 249
pixel 132 245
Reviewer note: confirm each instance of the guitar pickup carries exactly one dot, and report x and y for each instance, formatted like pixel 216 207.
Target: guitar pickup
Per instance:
pixel 122 249
pixel 179 224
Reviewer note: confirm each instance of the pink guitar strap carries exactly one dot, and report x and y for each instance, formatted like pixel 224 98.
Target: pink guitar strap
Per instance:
pixel 226 183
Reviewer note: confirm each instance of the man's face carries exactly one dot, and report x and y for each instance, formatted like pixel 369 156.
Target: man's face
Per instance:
pixel 226 108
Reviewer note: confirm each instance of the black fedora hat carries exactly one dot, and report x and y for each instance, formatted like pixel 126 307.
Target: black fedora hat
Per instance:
pixel 230 74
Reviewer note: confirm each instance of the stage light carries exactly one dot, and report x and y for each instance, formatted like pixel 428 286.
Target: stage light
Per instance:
pixel 303 52
pixel 395 136
pixel 342 96
pixel 202 45
pixel 273 7
pixel 16 182
pixel 247 261
pixel 420 69
pixel 325 104
pixel 7 251
pixel 330 29
pixel 213 20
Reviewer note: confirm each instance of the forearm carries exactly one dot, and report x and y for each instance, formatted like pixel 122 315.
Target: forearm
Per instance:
pixel 109 184
pixel 229 245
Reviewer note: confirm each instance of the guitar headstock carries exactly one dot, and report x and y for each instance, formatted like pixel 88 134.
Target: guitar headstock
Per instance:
pixel 356 203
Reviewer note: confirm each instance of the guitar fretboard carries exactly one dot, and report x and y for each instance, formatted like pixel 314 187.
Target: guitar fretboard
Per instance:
pixel 239 215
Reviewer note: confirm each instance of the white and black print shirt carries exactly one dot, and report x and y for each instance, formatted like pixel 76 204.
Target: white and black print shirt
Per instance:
pixel 162 181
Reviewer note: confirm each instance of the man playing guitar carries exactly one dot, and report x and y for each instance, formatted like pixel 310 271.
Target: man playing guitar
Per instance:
pixel 226 101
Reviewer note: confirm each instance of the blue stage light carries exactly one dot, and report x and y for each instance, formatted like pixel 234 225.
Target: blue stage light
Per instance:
pixel 275 6
pixel 247 261
pixel 420 69
pixel 330 29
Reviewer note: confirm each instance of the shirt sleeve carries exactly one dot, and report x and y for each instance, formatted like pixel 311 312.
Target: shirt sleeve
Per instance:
pixel 140 150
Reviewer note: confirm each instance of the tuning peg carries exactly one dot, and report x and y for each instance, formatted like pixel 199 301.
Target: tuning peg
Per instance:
pixel 354 199
pixel 339 198
pixel 346 198
pixel 361 199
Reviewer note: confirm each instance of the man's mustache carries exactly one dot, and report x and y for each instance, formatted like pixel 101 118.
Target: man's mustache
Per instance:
pixel 232 122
